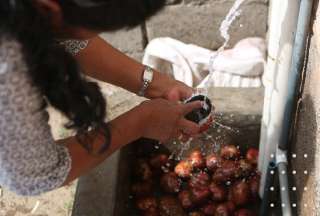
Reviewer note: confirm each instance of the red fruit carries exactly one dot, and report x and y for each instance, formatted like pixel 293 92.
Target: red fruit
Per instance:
pixel 159 160
pixel 222 210
pixel 185 198
pixel 246 168
pixel 183 169
pixel 143 170
pixel 240 193
pixel 142 188
pixel 200 194
pixel 230 152
pixel 199 180
pixel 213 162
pixel 147 203
pixel 252 156
pixel 170 206
pixel 170 182
pixel 231 206
pixel 254 184
pixel 196 214
pixel 196 159
pixel 151 212
pixel 209 209
pixel 227 172
pixel 218 192
pixel 244 212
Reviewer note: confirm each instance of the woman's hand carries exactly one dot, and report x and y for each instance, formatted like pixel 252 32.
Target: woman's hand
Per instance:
pixel 165 119
pixel 177 91
pixel 166 87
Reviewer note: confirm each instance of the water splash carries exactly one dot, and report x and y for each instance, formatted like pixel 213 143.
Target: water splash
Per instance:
pixel 233 13
pixel 227 22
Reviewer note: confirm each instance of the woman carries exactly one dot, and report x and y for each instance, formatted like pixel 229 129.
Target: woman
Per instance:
pixel 35 71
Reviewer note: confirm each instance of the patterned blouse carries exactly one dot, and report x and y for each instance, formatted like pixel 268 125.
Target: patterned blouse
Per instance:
pixel 30 161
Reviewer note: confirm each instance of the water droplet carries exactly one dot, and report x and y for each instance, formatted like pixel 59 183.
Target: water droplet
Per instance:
pixel 271 188
pixel 294 205
pixel 271 205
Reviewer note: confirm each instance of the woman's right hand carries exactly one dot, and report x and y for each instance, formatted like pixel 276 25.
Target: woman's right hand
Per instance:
pixel 165 119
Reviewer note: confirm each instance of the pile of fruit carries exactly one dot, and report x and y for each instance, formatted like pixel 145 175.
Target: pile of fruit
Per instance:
pixel 219 184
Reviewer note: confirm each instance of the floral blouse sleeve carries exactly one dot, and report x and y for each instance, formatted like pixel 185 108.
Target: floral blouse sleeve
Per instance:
pixel 74 46
pixel 31 162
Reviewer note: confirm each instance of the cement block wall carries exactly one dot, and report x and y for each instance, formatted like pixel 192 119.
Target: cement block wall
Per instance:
pixel 193 21
pixel 307 133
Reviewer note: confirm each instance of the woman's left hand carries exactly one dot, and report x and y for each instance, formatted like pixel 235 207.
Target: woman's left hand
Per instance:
pixel 178 91
pixel 166 87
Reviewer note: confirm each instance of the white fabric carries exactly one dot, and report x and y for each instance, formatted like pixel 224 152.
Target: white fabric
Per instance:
pixel 241 66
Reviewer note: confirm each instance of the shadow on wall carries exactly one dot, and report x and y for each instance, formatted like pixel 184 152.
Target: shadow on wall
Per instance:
pixel 304 146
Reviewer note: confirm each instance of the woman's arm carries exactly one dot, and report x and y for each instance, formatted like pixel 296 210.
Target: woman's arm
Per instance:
pixel 124 129
pixel 156 119
pixel 101 61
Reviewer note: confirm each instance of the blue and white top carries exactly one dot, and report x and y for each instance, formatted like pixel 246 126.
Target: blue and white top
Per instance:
pixel 31 162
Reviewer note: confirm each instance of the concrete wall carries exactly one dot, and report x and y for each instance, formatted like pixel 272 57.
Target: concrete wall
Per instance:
pixel 307 144
pixel 193 21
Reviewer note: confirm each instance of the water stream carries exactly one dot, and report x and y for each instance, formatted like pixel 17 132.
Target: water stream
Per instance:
pixel 233 13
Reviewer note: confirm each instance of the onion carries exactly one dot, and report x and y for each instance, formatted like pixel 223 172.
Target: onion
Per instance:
pixel 151 212
pixel 143 170
pixel 200 194
pixel 209 209
pixel 199 179
pixel 196 213
pixel 142 188
pixel 183 169
pixel 254 184
pixel 230 152
pixel 244 212
pixel 231 206
pixel 246 168
pixel 227 172
pixel 147 203
pixel 170 182
pixel 213 161
pixel 196 159
pixel 252 156
pixel 218 192
pixel 185 199
pixel 170 206
pixel 240 193
pixel 222 210
pixel 159 160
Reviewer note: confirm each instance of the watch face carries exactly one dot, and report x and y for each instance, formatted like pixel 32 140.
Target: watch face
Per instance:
pixel 148 75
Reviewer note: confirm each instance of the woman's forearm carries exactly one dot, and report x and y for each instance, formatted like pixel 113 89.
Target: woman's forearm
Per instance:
pixel 124 129
pixel 101 61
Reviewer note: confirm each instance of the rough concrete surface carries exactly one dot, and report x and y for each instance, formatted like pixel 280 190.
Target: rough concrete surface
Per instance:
pixel 128 41
pixel 308 135
pixel 200 24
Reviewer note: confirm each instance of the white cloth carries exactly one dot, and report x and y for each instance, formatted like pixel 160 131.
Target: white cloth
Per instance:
pixel 241 66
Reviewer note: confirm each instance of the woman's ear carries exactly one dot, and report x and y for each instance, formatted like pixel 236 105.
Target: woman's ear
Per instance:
pixel 52 10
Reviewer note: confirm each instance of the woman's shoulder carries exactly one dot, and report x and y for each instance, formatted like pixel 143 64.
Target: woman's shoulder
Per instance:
pixel 11 56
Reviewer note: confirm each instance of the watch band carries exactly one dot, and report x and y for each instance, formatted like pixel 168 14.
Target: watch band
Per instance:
pixel 147 79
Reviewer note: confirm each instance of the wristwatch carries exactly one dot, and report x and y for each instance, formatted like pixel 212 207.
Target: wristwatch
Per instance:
pixel 147 79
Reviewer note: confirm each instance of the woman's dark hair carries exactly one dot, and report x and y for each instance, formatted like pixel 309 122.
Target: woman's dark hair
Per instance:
pixel 52 69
